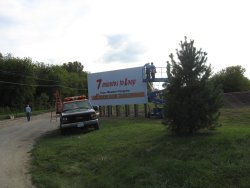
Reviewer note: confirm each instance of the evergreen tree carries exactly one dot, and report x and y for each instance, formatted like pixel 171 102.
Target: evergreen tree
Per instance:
pixel 192 101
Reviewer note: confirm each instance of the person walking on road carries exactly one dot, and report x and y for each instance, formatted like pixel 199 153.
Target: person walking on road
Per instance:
pixel 28 112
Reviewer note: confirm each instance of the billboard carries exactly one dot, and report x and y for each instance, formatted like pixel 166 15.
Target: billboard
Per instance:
pixel 117 87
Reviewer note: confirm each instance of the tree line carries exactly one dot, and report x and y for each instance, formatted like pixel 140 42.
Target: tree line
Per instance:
pixel 23 81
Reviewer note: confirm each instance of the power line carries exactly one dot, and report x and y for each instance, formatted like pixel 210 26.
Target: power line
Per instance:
pixel 35 85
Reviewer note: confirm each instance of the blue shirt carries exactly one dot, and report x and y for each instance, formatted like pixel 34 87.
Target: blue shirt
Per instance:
pixel 27 109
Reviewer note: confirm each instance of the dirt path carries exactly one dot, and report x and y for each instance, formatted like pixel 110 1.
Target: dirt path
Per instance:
pixel 16 140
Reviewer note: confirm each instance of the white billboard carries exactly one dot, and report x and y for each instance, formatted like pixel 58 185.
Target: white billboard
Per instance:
pixel 117 87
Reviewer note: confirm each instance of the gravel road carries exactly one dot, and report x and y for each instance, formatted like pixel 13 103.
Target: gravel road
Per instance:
pixel 16 140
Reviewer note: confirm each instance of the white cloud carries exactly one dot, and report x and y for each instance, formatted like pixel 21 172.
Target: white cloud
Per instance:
pixel 122 49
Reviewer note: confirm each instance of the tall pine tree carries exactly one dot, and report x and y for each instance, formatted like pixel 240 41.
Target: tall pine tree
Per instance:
pixel 192 101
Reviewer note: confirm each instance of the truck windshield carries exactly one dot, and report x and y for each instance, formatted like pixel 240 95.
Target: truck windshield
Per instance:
pixel 76 105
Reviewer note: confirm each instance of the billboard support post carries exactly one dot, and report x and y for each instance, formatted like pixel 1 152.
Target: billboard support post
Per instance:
pixel 127 110
pixel 102 111
pixel 117 109
pixel 146 110
pixel 136 110
pixel 109 108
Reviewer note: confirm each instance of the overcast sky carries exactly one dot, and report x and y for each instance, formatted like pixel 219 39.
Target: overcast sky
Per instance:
pixel 113 34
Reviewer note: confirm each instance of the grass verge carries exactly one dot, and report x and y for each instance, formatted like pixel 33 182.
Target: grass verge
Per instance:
pixel 138 153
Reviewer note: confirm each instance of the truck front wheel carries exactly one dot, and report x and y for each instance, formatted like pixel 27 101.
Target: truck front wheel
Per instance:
pixel 96 126
pixel 62 130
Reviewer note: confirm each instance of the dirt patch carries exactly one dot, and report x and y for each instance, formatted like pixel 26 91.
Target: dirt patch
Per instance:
pixel 237 99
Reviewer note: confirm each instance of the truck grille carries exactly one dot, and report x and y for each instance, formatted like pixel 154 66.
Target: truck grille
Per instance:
pixel 78 118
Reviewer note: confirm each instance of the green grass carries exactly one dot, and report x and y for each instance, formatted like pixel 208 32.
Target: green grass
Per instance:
pixel 131 152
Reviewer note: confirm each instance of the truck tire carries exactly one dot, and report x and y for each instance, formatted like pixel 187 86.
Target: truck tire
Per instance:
pixel 96 126
pixel 62 130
